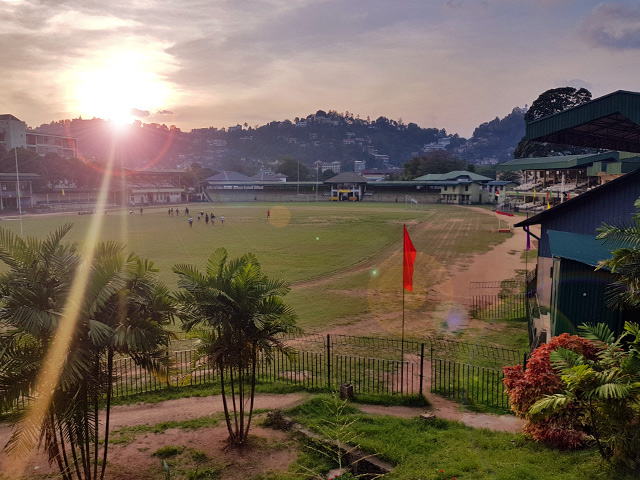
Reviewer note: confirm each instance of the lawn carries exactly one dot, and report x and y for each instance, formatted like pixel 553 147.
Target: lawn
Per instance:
pixel 420 450
pixel 343 260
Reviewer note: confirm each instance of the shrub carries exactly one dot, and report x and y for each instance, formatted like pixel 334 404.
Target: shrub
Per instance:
pixel 168 451
pixel 562 430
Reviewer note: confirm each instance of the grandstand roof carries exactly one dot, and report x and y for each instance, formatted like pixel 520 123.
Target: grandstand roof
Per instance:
pixel 501 183
pixel 158 171
pixel 618 184
pixel 611 122
pixel 452 176
pixel 347 177
pixel 560 162
pixel 226 176
pixel 274 177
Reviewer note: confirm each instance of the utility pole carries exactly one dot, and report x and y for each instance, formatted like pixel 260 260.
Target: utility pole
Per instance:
pixel 15 149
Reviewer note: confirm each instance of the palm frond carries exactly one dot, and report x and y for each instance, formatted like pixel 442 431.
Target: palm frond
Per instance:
pixel 599 332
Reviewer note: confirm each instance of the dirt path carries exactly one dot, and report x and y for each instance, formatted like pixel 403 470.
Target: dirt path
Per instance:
pixel 133 460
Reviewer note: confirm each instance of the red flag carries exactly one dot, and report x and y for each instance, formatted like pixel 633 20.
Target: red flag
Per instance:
pixel 407 263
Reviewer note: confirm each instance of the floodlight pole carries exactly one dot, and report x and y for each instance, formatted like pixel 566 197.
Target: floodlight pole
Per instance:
pixel 298 186
pixel 316 183
pixel 15 150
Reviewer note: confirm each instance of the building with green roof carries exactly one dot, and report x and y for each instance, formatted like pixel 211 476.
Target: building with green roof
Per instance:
pixel 568 290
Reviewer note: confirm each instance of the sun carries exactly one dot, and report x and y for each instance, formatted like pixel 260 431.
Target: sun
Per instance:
pixel 118 86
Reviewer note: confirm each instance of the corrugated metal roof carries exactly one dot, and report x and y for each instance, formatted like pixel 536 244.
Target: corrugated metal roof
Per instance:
pixel 347 177
pixel 580 248
pixel 611 122
pixel 229 176
pixel 560 162
pixel 456 174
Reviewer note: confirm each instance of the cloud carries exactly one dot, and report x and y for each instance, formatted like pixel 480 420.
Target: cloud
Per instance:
pixel 140 113
pixel 164 112
pixel 615 26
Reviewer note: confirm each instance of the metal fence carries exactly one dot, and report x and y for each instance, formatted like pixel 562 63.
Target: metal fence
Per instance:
pixel 468 384
pixel 498 300
pixel 324 362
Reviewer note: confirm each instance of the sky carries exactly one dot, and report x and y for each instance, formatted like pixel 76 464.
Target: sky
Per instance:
pixel 450 64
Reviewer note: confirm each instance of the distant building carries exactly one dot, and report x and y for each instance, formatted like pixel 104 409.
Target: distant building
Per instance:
pixel 237 128
pixel 324 166
pixel 14 133
pixel 460 187
pixel 359 166
pixel 347 186
pixel 441 144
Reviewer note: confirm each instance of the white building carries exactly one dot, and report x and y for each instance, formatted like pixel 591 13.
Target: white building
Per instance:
pixel 14 133
pixel 324 166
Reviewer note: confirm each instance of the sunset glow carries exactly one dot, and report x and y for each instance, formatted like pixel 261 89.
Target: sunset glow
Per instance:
pixel 119 88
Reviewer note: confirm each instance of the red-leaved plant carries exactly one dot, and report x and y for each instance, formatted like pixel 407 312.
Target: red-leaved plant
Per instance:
pixel 526 388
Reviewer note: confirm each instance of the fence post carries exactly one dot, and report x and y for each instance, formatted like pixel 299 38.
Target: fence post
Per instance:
pixel 524 361
pixel 421 366
pixel 329 361
pixel 433 373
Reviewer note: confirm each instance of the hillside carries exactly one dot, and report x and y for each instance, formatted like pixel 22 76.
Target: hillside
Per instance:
pixel 325 136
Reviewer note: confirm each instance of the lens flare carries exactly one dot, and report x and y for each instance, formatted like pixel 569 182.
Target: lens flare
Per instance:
pixel 280 217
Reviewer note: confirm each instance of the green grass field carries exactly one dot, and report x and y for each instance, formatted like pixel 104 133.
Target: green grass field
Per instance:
pixel 343 260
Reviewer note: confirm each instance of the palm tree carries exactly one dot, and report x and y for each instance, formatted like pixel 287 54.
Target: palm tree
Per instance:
pixel 624 292
pixel 123 310
pixel 240 313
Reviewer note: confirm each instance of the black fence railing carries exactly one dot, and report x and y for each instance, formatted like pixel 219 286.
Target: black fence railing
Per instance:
pixel 325 362
pixel 498 300
pixel 468 384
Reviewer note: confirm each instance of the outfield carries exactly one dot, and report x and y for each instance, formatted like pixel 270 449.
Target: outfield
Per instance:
pixel 343 260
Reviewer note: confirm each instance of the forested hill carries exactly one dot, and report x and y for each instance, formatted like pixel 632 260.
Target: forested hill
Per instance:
pixel 326 136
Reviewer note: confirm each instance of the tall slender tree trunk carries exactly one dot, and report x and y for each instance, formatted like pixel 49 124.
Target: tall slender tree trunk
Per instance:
pixel 233 402
pixel 108 410
pixel 224 400
pixel 87 439
pixel 73 445
pixel 95 419
pixel 52 429
pixel 252 393
pixel 64 450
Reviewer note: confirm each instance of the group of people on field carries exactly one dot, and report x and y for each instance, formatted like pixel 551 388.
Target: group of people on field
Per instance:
pixel 206 217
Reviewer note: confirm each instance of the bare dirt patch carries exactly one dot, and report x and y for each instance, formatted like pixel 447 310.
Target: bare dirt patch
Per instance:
pixel 133 461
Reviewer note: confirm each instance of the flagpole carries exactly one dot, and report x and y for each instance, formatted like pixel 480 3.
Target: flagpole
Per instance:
pixel 402 348
pixel 18 190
